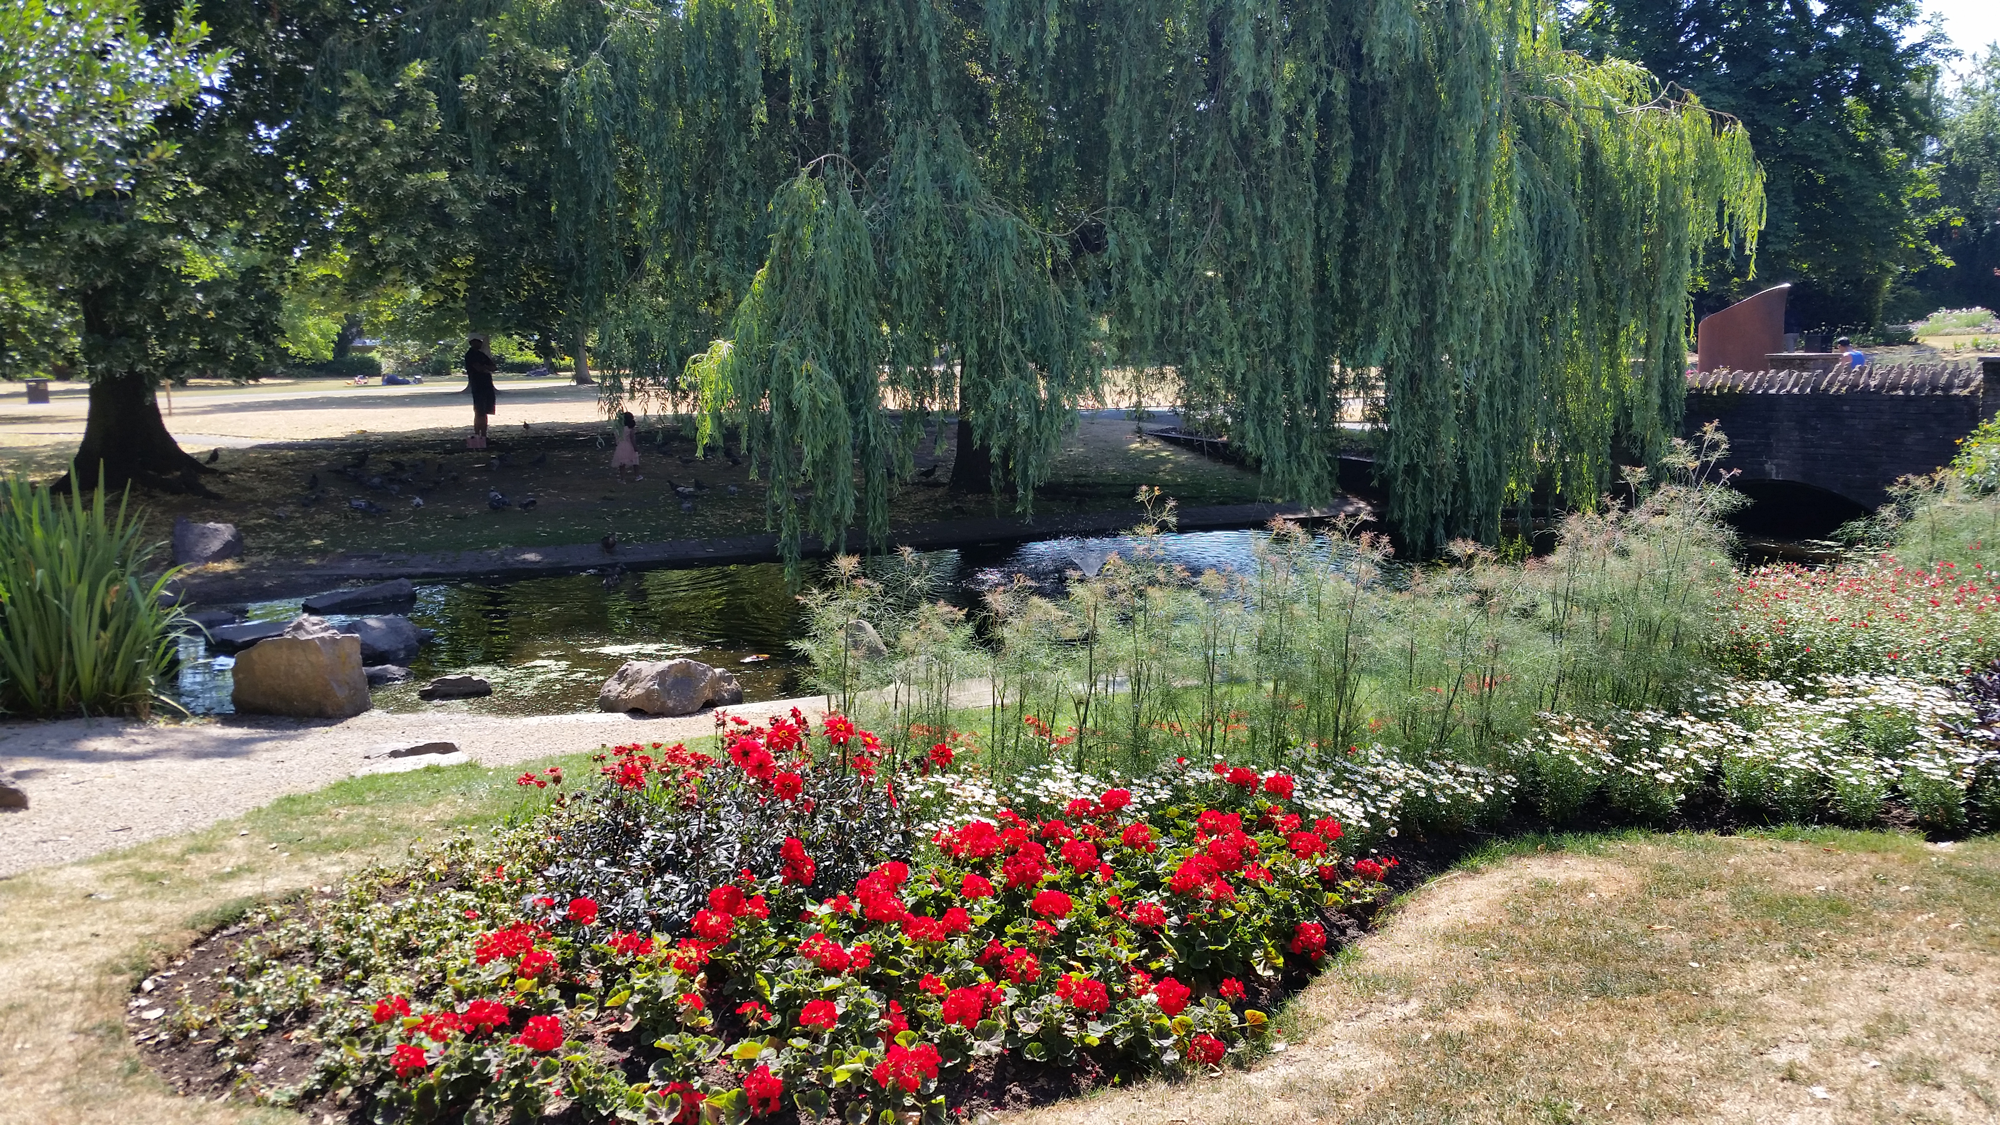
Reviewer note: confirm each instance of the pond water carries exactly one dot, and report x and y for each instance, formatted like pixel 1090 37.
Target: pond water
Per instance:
pixel 548 644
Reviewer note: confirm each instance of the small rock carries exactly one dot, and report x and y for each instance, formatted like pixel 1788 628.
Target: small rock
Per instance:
pixel 455 687
pixel 413 749
pixel 12 796
pixel 152 1013
pixel 198 544
pixel 381 595
pixel 211 619
pixel 383 674
pixel 236 638
pixel 389 639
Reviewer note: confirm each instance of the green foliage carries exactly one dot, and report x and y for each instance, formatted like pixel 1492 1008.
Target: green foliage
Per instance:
pixel 1839 100
pixel 81 629
pixel 1967 163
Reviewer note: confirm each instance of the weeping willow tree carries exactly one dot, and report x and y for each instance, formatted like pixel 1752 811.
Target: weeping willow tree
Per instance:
pixel 827 225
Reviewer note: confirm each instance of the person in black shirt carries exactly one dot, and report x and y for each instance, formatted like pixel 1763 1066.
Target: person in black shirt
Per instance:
pixel 479 369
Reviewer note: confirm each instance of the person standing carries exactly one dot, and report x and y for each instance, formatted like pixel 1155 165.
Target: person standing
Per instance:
pixel 479 369
pixel 626 456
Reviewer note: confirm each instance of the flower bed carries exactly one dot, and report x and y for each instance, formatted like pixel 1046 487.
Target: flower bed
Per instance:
pixel 1792 623
pixel 1097 938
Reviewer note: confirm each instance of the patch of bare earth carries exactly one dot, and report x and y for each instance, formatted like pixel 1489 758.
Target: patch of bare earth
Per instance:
pixel 1839 978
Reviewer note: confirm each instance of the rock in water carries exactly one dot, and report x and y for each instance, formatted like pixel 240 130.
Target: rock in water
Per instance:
pixel 198 544
pixel 382 674
pixel 385 640
pixel 381 595
pixel 236 638
pixel 12 796
pixel 309 670
pixel 668 687
pixel 455 687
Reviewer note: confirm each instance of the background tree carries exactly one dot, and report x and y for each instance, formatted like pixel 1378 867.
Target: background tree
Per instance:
pixel 1838 97
pixel 1968 176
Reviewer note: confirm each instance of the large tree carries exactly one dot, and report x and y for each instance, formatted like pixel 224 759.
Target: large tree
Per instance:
pixel 1968 174
pixel 1838 97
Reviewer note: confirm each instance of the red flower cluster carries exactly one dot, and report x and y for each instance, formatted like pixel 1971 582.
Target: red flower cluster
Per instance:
pixel 542 1034
pixel 1230 989
pixel 631 944
pixel 967 1006
pixel 877 893
pixel 1171 995
pixel 583 911
pixel 907 1067
pixel 1020 966
pixel 799 867
pixel 1309 939
pixel 821 1014
pixel 1051 904
pixel 763 1089
pixel 1085 994
pixel 1207 1050
pixel 408 1059
pixel 391 1007
pixel 506 944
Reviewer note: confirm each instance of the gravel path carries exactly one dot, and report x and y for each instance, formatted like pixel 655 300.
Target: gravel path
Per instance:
pixel 98 784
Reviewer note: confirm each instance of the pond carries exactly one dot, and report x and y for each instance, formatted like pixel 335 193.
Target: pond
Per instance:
pixel 548 644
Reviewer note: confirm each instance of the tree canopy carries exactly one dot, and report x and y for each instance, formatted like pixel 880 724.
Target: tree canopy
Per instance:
pixel 1967 161
pixel 1839 98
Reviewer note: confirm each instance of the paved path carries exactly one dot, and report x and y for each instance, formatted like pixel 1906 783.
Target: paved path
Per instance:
pixel 98 784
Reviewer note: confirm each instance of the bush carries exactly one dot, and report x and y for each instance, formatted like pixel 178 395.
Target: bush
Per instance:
pixel 1098 937
pixel 345 367
pixel 80 629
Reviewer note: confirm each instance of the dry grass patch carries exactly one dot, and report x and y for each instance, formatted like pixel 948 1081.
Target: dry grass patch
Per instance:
pixel 1826 977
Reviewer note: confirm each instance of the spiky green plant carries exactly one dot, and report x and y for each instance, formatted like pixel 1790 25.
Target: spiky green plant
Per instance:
pixel 81 629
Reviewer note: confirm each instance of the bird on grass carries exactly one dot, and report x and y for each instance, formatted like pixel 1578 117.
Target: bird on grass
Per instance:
pixel 733 490
pixel 524 427
pixel 312 483
pixel 687 505
pixel 496 500
pixel 734 460
pixel 612 576
pixel 416 501
pixel 681 489
pixel 698 486
pixel 214 455
pixel 528 503
pixel 366 507
pixel 928 473
pixel 609 542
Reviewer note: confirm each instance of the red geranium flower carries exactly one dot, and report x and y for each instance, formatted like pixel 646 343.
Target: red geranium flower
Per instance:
pixel 964 1006
pixel 799 867
pixel 1279 785
pixel 1309 939
pixel 1021 966
pixel 535 962
pixel 763 1089
pixel 1149 915
pixel 931 984
pixel 1140 836
pixel 543 1033
pixel 727 899
pixel 1328 829
pixel 896 1020
pixel 691 1100
pixel 391 1007
pixel 1115 799
pixel 975 885
pixel 408 1058
pixel 583 911
pixel 1230 989
pixel 1080 808
pixel 1081 855
pixel 1084 994
pixel 754 1012
pixel 907 1067
pixel 712 926
pixel 1051 904
pixel 825 952
pixel 1171 995
pixel 1207 1050
pixel 1243 777
pixel 631 944
pixel 1306 845
pixel 820 1014
pixel 482 1017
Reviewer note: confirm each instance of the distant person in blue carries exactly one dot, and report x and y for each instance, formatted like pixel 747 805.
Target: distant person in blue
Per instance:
pixel 1849 354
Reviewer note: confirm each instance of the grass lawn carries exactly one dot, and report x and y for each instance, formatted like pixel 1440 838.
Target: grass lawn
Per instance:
pixel 563 466
pixel 1826 976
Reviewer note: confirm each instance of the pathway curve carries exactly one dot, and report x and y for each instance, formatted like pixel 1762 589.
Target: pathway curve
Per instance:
pixel 98 784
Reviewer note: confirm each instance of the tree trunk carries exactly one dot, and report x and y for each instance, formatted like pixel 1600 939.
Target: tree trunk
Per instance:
pixel 972 463
pixel 583 378
pixel 125 441
pixel 350 331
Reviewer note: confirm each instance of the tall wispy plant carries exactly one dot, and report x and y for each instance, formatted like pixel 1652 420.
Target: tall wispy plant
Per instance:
pixel 81 629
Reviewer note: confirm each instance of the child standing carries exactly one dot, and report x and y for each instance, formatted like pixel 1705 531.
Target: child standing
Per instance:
pixel 626 456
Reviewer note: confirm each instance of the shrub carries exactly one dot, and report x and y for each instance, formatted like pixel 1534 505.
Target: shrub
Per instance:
pixel 1793 623
pixel 1100 935
pixel 345 367
pixel 80 629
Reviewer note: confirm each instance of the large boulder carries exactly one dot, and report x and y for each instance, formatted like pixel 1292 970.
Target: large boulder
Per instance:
pixel 198 544
pixel 386 640
pixel 668 687
pixel 12 796
pixel 382 595
pixel 310 671
pixel 864 643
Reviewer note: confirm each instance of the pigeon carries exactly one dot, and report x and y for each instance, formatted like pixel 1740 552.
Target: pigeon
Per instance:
pixel 312 483
pixel 732 489
pixel 612 576
pixel 374 483
pixel 416 501
pixel 928 473
pixel 698 486
pixel 396 465
pixel 524 427
pixel 367 507
pixel 734 460
pixel 682 489
pixel 687 505
pixel 214 455
pixel 528 503
pixel 395 490
pixel 309 499
pixel 496 501
pixel 541 458
pixel 609 542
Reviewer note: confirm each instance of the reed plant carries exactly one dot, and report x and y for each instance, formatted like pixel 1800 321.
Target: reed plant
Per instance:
pixel 82 631
pixel 1326 642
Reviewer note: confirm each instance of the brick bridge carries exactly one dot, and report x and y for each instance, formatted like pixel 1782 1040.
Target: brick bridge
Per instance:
pixel 1848 432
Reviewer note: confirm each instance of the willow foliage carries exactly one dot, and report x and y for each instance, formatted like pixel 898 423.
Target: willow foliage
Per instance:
pixel 853 214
